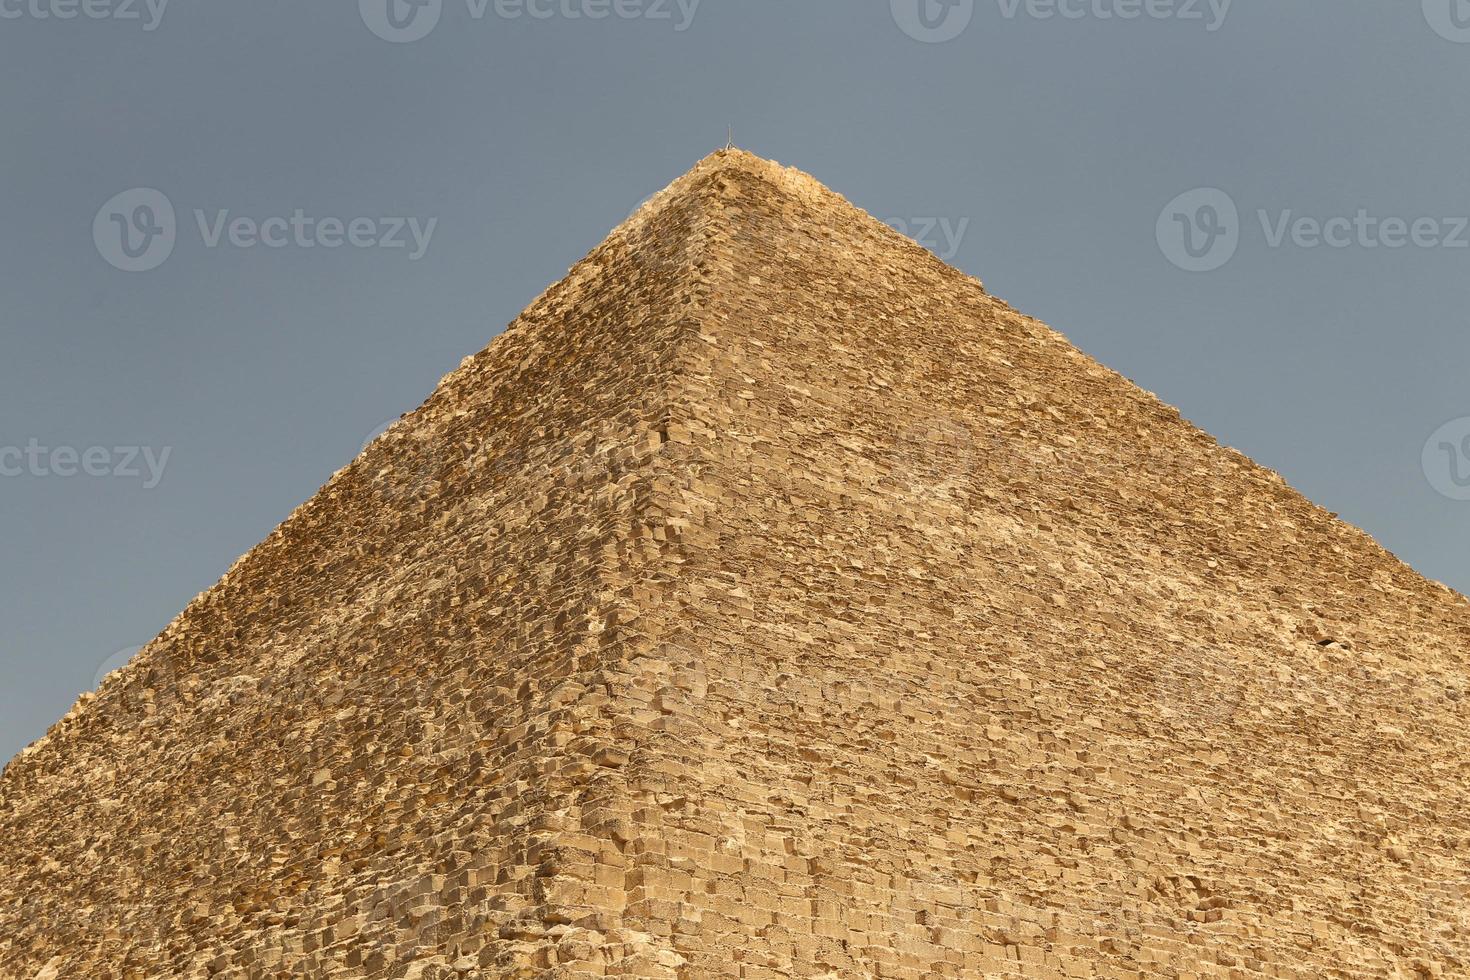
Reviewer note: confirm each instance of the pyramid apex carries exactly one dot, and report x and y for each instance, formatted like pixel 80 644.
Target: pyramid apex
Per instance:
pixel 696 182
pixel 734 158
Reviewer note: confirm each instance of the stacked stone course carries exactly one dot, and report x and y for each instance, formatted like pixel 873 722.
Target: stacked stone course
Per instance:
pixel 770 601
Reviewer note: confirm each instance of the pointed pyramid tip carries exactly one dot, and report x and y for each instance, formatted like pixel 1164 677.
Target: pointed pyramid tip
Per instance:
pixel 722 160
pixel 774 176
pixel 734 158
pixel 729 159
pixel 758 177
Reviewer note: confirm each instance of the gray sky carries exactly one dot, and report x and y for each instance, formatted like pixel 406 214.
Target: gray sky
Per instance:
pixel 1045 142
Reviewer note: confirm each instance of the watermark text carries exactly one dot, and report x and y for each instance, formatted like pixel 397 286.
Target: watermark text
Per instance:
pixel 146 463
pixel 148 13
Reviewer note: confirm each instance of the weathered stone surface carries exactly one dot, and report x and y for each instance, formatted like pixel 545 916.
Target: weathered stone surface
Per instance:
pixel 770 601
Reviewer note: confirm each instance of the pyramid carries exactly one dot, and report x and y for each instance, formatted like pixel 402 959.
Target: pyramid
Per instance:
pixel 767 601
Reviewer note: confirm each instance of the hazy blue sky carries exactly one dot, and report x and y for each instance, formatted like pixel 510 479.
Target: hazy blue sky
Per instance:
pixel 199 384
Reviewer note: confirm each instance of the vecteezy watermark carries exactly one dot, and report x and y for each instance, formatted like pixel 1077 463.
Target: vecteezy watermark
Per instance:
pixel 405 21
pixel 937 21
pixel 1445 917
pixel 1200 230
pixel 123 462
pixel 1363 230
pixel 413 470
pixel 1449 18
pixel 305 231
pixel 136 231
pixel 932 457
pixel 933 21
pixel 1446 459
pixel 1211 13
pixel 1200 687
pixel 114 662
pixel 401 21
pixel 148 12
pixel 942 236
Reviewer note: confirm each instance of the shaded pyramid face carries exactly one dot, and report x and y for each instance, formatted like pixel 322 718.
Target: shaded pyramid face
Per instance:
pixel 770 601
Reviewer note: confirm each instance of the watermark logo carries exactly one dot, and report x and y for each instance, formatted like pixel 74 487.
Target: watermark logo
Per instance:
pixel 1446 459
pixel 115 662
pixel 933 21
pixel 1200 688
pixel 933 457
pixel 1449 18
pixel 135 230
pixel 1199 230
pixel 148 12
pixel 146 463
pixel 657 251
pixel 401 21
pixel 413 470
pixel 1446 918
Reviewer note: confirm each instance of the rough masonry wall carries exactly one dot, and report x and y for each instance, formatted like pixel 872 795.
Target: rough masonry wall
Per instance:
pixel 770 601
pixel 983 663
pixel 359 753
